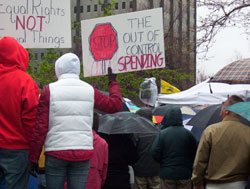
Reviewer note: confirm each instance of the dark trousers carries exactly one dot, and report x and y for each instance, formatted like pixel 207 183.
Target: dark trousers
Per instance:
pixel 14 168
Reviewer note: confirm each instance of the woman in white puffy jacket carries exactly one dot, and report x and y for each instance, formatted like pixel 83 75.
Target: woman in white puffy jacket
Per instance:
pixel 64 123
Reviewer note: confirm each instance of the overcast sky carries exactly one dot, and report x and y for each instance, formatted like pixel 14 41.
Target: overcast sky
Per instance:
pixel 231 44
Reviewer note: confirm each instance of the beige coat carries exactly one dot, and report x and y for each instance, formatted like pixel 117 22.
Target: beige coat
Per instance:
pixel 223 153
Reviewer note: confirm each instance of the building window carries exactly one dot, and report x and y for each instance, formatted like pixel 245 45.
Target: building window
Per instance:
pixel 116 6
pixel 95 8
pixel 42 55
pixel 61 53
pixel 81 9
pixel 88 8
pixel 123 5
pixel 131 4
pixel 36 56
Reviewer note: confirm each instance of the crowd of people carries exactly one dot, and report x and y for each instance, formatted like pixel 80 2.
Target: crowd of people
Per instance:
pixel 61 124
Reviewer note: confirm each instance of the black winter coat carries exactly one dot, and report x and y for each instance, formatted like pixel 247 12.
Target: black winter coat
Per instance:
pixel 122 152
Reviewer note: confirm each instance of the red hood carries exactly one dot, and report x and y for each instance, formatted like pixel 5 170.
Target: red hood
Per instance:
pixel 12 54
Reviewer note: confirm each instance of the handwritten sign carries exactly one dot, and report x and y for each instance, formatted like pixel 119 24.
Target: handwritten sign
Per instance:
pixel 126 42
pixel 103 42
pixel 37 23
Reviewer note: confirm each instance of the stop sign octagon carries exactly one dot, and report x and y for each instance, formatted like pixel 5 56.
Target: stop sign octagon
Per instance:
pixel 103 41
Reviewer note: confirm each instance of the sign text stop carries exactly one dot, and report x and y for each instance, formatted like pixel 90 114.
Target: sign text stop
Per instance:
pixel 103 41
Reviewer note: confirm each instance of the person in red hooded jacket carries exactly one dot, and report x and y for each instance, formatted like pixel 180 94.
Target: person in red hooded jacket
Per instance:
pixel 18 108
pixel 99 162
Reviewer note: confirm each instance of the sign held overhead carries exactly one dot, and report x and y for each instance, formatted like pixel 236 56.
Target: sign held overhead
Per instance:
pixel 37 23
pixel 126 42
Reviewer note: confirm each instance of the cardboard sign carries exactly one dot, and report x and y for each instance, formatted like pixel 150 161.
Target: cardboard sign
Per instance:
pixel 37 23
pixel 125 42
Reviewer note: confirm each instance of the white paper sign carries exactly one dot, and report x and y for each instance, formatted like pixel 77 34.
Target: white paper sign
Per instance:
pixel 37 23
pixel 126 42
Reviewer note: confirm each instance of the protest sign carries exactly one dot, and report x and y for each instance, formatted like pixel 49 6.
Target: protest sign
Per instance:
pixel 37 23
pixel 126 42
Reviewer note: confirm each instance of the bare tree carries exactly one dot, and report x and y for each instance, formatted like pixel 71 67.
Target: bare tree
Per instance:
pixel 218 14
pixel 202 76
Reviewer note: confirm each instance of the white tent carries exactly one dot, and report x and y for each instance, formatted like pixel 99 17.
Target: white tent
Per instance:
pixel 200 94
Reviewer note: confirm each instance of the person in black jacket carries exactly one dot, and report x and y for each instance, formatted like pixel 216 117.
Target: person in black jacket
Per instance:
pixel 122 153
pixel 174 148
pixel 146 169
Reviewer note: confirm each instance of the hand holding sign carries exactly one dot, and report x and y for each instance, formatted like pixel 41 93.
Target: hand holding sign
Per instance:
pixel 111 76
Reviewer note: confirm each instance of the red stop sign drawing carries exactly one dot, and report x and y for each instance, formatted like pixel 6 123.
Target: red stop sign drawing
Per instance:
pixel 103 41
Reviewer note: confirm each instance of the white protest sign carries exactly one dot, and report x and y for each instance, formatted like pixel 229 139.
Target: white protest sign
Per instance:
pixel 37 23
pixel 126 42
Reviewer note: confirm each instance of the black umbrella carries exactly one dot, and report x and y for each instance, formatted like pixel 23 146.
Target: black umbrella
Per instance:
pixel 206 117
pixel 161 110
pixel 209 116
pixel 125 123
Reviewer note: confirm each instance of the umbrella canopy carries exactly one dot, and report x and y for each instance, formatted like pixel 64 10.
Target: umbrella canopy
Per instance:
pixel 206 117
pixel 125 123
pixel 241 108
pixel 187 110
pixel 160 111
pixel 234 73
pixel 209 116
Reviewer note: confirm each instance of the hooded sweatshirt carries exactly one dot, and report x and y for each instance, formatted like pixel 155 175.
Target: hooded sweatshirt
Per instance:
pixel 71 102
pixel 65 113
pixel 98 164
pixel 18 96
pixel 174 147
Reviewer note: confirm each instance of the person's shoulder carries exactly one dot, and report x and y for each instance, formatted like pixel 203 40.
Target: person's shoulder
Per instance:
pixel 215 126
pixel 84 83
pixel 166 131
pixel 214 129
pixel 183 129
pixel 100 140
pixel 244 123
pixel 20 73
pixel 25 77
pixel 186 132
pixel 243 128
